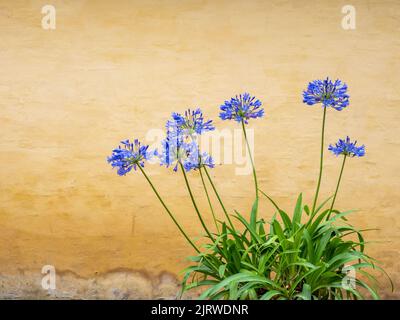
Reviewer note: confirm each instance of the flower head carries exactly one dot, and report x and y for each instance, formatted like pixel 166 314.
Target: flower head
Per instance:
pixel 347 148
pixel 129 156
pixel 241 108
pixel 329 93
pixel 173 151
pixel 174 146
pixel 196 160
pixel 180 144
pixel 192 122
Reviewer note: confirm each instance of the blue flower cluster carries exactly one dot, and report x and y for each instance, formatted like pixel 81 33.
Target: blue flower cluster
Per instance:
pixel 241 108
pixel 192 122
pixel 129 156
pixel 330 94
pixel 181 145
pixel 347 148
pixel 196 159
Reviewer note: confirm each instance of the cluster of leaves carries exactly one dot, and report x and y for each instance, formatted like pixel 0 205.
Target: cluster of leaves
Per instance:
pixel 304 257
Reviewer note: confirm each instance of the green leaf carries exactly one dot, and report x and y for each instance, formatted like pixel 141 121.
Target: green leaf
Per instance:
pixel 297 212
pixel 253 215
pixel 305 264
pixel 268 257
pixel 233 291
pixel 197 284
pixel 261 231
pixel 249 227
pixel 285 219
pixel 270 294
pixel 311 228
pixel 278 231
pixel 252 294
pixel 270 199
pixel 373 292
pixel 322 245
pixel 221 270
pixel 305 293
pixel 249 266
pixel 300 279
pixel 236 278
pixel 322 205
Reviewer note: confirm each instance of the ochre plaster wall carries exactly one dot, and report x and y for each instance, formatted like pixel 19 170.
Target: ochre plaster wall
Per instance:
pixel 117 69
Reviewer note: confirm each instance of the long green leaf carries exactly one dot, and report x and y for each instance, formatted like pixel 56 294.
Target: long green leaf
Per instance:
pixel 253 215
pixel 297 212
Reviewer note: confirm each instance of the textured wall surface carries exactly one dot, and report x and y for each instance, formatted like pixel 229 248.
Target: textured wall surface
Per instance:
pixel 116 69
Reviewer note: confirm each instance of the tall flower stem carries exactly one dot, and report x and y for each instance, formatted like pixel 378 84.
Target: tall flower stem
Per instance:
pixel 337 187
pixel 320 162
pixel 208 199
pixel 194 203
pixel 219 198
pixel 251 158
pixel 168 211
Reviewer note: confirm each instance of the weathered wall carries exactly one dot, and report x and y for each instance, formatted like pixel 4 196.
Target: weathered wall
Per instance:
pixel 115 69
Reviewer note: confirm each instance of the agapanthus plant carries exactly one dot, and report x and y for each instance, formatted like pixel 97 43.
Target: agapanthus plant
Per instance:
pixel 305 256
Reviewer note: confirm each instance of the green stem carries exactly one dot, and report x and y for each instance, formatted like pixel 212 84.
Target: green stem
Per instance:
pixel 208 199
pixel 194 203
pixel 219 198
pixel 321 161
pixel 168 211
pixel 337 187
pixel 251 159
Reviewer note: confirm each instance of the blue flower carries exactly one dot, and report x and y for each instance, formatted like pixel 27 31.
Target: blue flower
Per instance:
pixel 206 160
pixel 347 148
pixel 192 122
pixel 173 151
pixel 241 108
pixel 195 160
pixel 181 147
pixel 173 146
pixel 330 94
pixel 129 156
